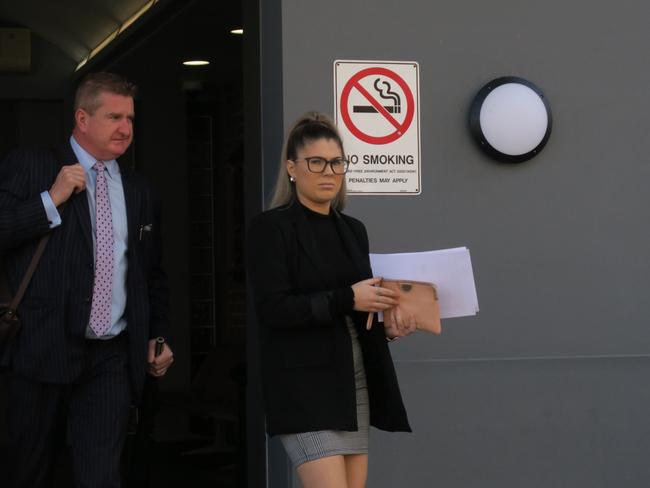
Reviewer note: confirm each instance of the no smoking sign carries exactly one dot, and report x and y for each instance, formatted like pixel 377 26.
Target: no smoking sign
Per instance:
pixel 377 113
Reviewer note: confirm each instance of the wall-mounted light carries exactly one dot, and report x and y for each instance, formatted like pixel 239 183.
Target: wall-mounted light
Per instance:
pixel 196 62
pixel 238 31
pixel 510 119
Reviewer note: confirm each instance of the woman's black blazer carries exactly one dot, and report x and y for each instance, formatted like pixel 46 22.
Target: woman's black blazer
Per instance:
pixel 307 364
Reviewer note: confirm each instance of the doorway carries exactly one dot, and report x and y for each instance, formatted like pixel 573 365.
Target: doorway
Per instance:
pixel 189 143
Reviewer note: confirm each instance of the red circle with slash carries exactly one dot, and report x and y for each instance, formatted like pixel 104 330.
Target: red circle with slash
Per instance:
pixel 400 128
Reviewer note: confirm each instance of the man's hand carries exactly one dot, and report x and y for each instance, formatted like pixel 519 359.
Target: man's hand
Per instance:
pixel 71 178
pixel 158 365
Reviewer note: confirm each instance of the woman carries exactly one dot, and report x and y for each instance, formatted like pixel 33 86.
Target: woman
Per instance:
pixel 325 376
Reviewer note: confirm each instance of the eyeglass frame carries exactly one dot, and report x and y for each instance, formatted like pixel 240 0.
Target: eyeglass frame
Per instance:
pixel 327 162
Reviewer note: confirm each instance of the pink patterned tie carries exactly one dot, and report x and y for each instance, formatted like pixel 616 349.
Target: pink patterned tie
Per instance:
pixel 100 312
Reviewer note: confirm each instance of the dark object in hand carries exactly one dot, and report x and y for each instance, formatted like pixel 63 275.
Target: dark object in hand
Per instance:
pixel 160 343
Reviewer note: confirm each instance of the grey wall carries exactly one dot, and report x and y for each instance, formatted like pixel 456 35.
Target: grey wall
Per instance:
pixel 547 386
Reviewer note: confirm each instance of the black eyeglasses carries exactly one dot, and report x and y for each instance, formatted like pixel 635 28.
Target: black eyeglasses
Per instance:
pixel 316 164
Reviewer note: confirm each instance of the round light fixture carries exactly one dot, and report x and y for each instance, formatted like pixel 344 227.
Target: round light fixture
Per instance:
pixel 510 119
pixel 196 62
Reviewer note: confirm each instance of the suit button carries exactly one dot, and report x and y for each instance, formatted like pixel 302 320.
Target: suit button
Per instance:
pixel 88 299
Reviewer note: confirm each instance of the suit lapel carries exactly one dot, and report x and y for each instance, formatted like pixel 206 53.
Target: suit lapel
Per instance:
pixel 65 155
pixel 78 202
pixel 131 200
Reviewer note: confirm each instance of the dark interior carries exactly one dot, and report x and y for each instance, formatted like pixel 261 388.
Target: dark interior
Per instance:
pixel 190 143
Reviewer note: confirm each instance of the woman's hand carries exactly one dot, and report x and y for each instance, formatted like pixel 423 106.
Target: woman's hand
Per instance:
pixel 371 298
pixel 401 324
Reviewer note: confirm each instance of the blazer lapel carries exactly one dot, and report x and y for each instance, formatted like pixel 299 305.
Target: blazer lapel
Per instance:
pixel 351 243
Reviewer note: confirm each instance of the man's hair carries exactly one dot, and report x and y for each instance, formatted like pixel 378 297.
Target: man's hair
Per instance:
pixel 94 84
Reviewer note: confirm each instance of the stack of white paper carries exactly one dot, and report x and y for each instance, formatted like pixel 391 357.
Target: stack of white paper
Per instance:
pixel 449 269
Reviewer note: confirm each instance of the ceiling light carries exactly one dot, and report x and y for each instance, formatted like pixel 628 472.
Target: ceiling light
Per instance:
pixel 238 31
pixel 196 62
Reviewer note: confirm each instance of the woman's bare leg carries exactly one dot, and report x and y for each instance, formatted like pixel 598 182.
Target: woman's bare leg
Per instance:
pixel 356 467
pixel 327 472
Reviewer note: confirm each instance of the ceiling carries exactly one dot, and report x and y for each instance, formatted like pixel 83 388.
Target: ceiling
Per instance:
pixel 78 26
pixel 75 26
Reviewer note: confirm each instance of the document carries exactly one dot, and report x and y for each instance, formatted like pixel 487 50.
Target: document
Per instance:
pixel 449 269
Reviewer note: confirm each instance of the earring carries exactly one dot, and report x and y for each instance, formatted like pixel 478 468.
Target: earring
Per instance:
pixel 292 179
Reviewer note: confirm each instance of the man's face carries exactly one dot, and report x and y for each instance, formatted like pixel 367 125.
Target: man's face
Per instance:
pixel 108 131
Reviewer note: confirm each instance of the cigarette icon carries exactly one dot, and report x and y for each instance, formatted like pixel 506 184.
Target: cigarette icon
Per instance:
pixel 385 91
pixel 369 109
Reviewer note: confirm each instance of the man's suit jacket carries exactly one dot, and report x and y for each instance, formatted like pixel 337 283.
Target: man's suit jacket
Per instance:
pixel 56 307
pixel 307 361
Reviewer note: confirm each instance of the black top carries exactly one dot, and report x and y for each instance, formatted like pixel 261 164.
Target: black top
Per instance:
pixel 336 260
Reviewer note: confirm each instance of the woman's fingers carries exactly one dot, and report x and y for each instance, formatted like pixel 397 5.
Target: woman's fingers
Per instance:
pixel 385 292
pixel 389 316
pixel 399 324
pixel 410 325
pixel 414 325
pixel 386 297
pixel 371 298
pixel 373 281
pixel 404 324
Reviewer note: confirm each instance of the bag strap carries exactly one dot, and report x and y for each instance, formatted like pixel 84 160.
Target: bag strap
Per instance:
pixel 22 288
pixel 15 302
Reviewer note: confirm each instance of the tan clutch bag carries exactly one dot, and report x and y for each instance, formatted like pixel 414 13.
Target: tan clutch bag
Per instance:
pixel 418 299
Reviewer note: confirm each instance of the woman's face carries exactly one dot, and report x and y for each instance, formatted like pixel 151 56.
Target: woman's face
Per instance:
pixel 316 190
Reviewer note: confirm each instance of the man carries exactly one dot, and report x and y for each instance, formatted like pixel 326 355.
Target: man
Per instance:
pixel 97 300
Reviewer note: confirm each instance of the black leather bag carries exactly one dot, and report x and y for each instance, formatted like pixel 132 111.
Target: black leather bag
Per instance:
pixel 9 321
pixel 9 324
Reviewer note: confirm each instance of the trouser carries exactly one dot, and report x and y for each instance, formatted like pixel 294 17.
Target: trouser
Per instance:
pixel 91 414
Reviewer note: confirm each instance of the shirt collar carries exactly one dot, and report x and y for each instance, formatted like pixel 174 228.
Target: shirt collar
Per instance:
pixel 87 161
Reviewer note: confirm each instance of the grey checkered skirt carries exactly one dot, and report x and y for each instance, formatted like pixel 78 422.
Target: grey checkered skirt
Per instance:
pixel 308 446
